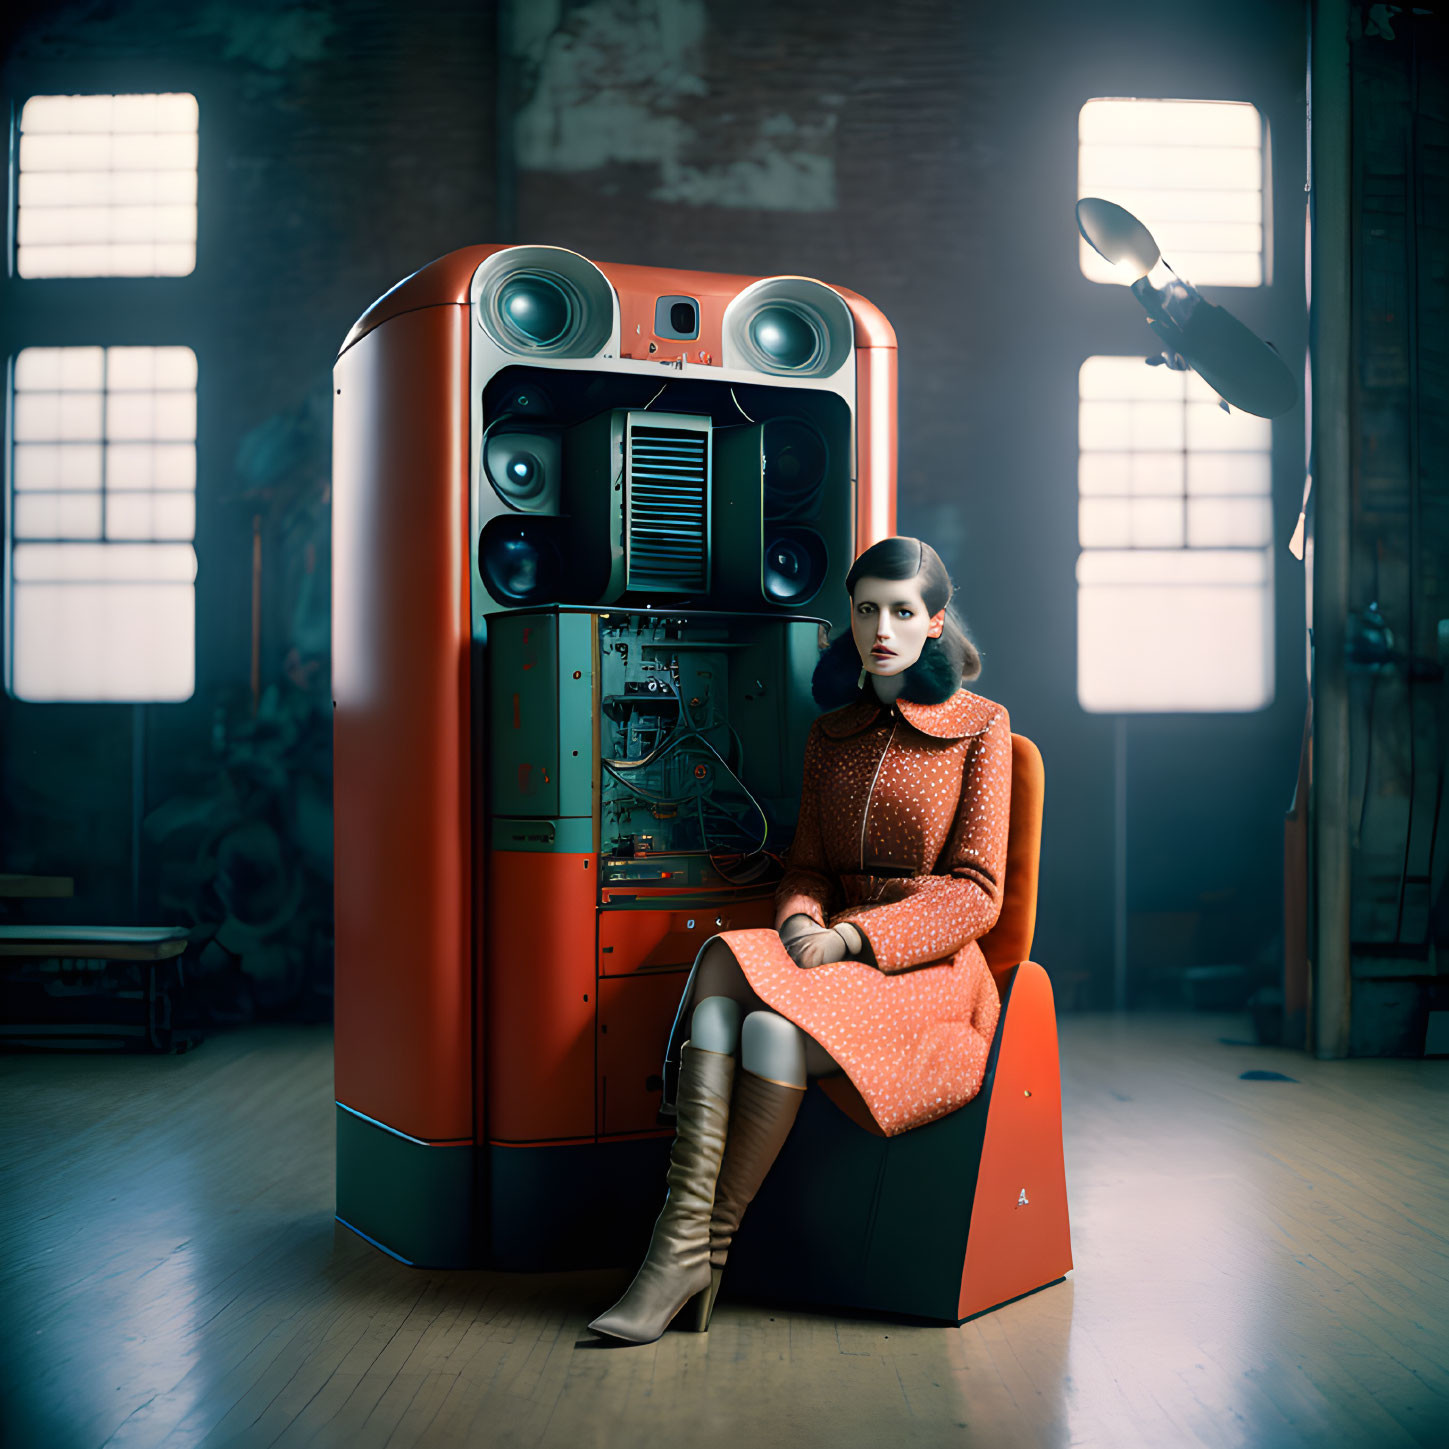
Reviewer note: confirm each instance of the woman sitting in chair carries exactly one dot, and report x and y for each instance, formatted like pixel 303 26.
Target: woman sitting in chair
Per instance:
pixel 873 969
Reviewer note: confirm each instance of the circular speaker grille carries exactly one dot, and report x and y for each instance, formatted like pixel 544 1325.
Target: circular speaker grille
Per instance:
pixel 793 567
pixel 537 311
pixel 790 327
pixel 790 338
pixel 544 302
pixel 519 560
pixel 796 460
pixel 524 466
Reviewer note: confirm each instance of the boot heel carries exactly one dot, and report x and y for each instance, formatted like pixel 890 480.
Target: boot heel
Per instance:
pixel 702 1304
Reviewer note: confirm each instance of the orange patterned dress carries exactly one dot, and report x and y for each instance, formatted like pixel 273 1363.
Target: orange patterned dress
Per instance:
pixel 903 825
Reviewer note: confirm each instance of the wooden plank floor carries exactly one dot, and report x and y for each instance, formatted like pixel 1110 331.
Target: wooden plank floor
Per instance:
pixel 1258 1263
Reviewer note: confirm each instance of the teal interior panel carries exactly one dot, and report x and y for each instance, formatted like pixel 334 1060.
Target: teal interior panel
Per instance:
pixel 577 762
pixel 523 735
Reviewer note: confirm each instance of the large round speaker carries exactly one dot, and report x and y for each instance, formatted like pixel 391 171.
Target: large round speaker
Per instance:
pixel 796 458
pixel 544 302
pixel 524 463
pixel 789 326
pixel 793 566
pixel 520 559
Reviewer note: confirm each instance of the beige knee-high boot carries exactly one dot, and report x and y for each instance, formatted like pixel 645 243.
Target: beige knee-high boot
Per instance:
pixel 676 1265
pixel 761 1116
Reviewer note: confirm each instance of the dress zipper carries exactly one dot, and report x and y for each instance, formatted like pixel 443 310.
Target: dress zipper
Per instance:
pixel 865 814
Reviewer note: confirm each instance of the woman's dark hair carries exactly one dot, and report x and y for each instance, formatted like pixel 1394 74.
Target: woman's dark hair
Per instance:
pixel 910 558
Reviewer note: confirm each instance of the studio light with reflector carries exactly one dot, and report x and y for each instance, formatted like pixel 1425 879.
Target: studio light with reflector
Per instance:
pixel 1194 333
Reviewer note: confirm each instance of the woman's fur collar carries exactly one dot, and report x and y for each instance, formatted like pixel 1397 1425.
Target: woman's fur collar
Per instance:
pixel 930 680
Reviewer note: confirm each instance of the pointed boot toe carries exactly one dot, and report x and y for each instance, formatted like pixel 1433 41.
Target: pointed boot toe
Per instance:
pixel 651 1302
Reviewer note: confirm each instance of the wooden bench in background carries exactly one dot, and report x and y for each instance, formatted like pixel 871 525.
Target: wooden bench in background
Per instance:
pixel 156 949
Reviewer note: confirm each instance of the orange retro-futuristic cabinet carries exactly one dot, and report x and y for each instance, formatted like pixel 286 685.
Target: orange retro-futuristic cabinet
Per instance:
pixel 588 521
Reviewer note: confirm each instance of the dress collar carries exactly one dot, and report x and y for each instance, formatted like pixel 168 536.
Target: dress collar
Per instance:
pixel 953 719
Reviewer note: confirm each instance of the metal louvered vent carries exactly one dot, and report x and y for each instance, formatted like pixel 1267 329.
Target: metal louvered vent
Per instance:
pixel 667 493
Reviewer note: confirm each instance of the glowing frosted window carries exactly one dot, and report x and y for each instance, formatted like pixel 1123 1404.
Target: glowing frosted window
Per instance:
pixel 1175 577
pixel 1192 171
pixel 107 186
pixel 103 511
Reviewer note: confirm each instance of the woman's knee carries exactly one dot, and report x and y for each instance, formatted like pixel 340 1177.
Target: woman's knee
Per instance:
pixel 771 1046
pixel 714 1025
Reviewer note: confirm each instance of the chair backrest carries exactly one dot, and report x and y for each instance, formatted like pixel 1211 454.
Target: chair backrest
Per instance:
pixel 1008 942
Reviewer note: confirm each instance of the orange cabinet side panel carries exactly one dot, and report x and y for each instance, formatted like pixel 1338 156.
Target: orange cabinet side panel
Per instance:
pixel 635 1014
pixel 872 326
pixel 401 726
pixel 539 972
pixel 444 282
pixel 1020 1237
pixel 875 445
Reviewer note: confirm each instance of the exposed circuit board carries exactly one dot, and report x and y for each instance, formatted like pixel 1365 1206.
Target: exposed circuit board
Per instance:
pixel 673 768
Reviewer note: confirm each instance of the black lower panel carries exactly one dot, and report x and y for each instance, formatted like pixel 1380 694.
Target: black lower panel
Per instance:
pixel 590 1205
pixel 534 1209
pixel 415 1199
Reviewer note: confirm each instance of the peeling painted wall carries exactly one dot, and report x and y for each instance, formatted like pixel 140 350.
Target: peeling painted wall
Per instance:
pixel 624 82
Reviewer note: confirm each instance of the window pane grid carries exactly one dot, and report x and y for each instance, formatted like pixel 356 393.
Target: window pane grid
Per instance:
pixel 1192 171
pixel 103 508
pixel 1175 526
pixel 100 428
pixel 107 186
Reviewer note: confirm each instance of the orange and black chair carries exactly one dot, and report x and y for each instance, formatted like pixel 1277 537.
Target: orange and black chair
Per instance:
pixel 953 1218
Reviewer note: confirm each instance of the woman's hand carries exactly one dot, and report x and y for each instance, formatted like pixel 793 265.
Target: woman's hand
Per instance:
pixel 820 948
pixel 809 944
pixel 817 947
pixel 797 928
